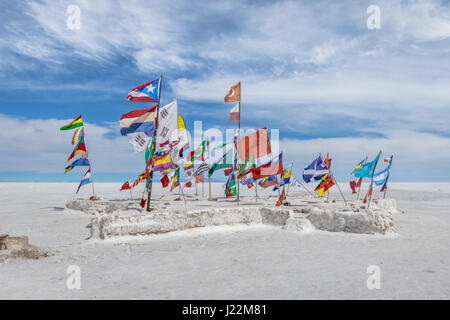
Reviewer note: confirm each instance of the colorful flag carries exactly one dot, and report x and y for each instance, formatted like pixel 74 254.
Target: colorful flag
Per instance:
pixel 327 161
pixel 198 154
pixel 138 121
pixel 162 163
pixel 183 143
pixel 147 92
pixel 78 134
pixel 315 171
pixel 165 180
pixel 284 180
pixel 368 194
pixel 234 94
pixel 271 168
pixel 246 179
pixel 139 140
pixel 83 161
pixel 167 132
pixel 139 179
pixel 366 170
pixel 234 113
pixel 203 167
pixel 86 179
pixel 281 198
pixel 78 122
pixel 256 143
pixel 355 184
pixel 176 179
pixel 79 148
pixel 125 186
pixel 381 177
pixel 188 166
pixel 268 182
pixel 230 187
pixel 325 185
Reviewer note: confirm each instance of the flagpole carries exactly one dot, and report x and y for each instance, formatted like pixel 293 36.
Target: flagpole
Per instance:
pixel 359 189
pixel 203 185
pixel 337 184
pixel 209 177
pixel 385 189
pixel 371 180
pixel 90 167
pixel 287 191
pixel 256 191
pixel 149 195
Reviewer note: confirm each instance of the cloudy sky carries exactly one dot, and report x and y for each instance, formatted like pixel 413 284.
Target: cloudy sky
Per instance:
pixel 313 70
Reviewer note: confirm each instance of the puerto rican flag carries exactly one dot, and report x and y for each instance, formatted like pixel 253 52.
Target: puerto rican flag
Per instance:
pixel 147 92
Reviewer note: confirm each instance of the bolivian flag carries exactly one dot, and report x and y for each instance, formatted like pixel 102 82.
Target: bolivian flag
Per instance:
pixel 78 122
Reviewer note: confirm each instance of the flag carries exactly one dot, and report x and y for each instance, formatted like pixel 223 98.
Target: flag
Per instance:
pixel 315 171
pixel 384 187
pixel 268 182
pixel 165 180
pixel 163 163
pixel 198 179
pixel 325 185
pixel 86 179
pixel 203 167
pixel 79 148
pixel 248 164
pixel 234 113
pixel 381 177
pixel 281 199
pixel 368 194
pixel 234 94
pixel 139 140
pixel 387 159
pixel 138 121
pixel 147 92
pixel 176 179
pixel 230 187
pixel 167 131
pixel 189 184
pixel 183 143
pixel 143 201
pixel 273 167
pixel 367 169
pixel 125 186
pixel 224 162
pixel 256 143
pixel 355 184
pixel 284 180
pixel 78 122
pixel 198 153
pixel 78 134
pixel 83 161
pixel 188 166
pixel 327 162
pixel 139 179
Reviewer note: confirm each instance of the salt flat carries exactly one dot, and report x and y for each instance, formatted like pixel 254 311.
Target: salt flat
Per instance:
pixel 226 262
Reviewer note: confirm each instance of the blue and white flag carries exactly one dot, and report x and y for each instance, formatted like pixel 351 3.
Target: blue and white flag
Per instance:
pixel 315 170
pixel 381 177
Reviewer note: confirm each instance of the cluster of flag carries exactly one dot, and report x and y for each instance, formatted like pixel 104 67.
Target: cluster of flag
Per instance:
pixel 319 170
pixel 78 140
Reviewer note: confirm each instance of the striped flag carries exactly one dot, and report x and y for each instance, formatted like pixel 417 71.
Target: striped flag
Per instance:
pixel 138 121
pixel 204 166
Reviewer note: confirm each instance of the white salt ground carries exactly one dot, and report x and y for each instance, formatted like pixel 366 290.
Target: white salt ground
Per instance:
pixel 225 262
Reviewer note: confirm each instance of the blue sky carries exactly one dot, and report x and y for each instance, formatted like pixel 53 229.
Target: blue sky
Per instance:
pixel 313 70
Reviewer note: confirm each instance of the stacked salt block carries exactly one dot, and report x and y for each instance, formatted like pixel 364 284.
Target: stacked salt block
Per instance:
pixel 355 218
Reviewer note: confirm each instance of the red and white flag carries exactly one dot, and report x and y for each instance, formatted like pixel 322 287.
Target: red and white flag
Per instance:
pixel 234 113
pixel 256 143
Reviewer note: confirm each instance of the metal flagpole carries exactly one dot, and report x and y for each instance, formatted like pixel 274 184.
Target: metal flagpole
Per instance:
pixel 359 188
pixel 149 196
pixel 239 136
pixel 256 191
pixel 90 167
pixel 371 180
pixel 387 178
pixel 203 185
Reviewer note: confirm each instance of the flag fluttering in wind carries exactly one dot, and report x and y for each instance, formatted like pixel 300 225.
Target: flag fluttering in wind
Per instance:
pixel 315 171
pixel 281 198
pixel 256 143
pixel 234 113
pixel 138 121
pixel 366 170
pixel 147 92
pixel 225 162
pixel 203 167
pixel 83 161
pixel 162 163
pixel 167 132
pixel 86 179
pixel 125 186
pixel 78 134
pixel 284 180
pixel 382 177
pixel 139 140
pixel 270 168
pixel 325 185
pixel 79 148
pixel 234 94
pixel 78 122
pixel 368 194
pixel 199 153
pixel 139 179
pixel 268 182
pixel 355 184
pixel 176 179
pixel 230 186
pixel 183 143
